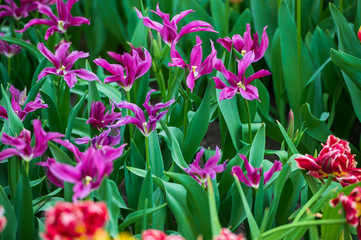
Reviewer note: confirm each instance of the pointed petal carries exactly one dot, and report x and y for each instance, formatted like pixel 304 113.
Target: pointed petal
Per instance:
pixel 244 63
pixel 46 72
pixel 49 55
pixel 196 54
pixel 227 93
pixel 149 23
pixel 250 93
pixel 70 79
pixel 195 26
pixel 86 75
pixel 73 57
pixel 277 166
pixel 259 74
pixel 78 21
pixel 237 170
pixel 33 22
pixel 9 152
pixel 65 172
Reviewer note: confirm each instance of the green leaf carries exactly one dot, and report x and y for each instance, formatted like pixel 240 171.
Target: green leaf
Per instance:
pixel 24 208
pixel 10 229
pixel 155 155
pixel 240 24
pixel 257 150
pixel 197 128
pixel 289 142
pixel 72 116
pixel 218 10
pixel 15 124
pixel 55 123
pixel 215 225
pixel 29 47
pixel 349 64
pixel 145 201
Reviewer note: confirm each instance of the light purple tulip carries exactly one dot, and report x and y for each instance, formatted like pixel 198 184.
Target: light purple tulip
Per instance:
pixel 169 29
pixel 57 24
pixel 18 100
pixel 146 127
pixel 63 62
pixel 99 119
pixel 8 50
pixel 254 174
pixel 246 44
pixel 22 143
pixel 133 66
pixel 239 84
pixel 210 168
pixel 92 166
pixel 196 67
pixel 102 140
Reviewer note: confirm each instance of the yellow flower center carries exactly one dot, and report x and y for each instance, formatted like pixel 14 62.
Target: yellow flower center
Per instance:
pixel 145 128
pixel 195 73
pixel 243 52
pixel 88 180
pixel 241 85
pixel 61 26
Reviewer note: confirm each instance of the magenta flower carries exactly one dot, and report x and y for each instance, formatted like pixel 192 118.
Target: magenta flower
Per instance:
pixel 102 140
pixel 196 67
pixel 238 84
pixel 246 44
pixel 133 66
pixel 8 50
pixel 63 62
pixel 22 143
pixel 10 8
pixel 99 119
pixel 169 29
pixel 210 168
pixel 57 24
pixel 54 180
pixel 254 174
pixel 93 165
pixel 144 126
pixel 17 102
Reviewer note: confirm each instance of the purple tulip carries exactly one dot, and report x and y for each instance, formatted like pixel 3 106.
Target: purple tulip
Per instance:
pixel 17 102
pixel 169 29
pixel 49 173
pixel 210 168
pixel 254 174
pixel 22 143
pixel 133 66
pixel 239 84
pixel 92 166
pixel 57 24
pixel 8 50
pixel 10 8
pixel 246 44
pixel 99 119
pixel 144 126
pixel 63 62
pixel 196 68
pixel 102 140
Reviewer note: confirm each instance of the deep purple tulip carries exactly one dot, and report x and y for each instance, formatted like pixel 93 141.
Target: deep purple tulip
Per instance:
pixel 17 102
pixel 146 127
pixel 133 66
pixel 57 24
pixel 8 50
pixel 49 173
pixel 246 44
pixel 239 84
pixel 254 174
pixel 196 67
pixel 169 29
pixel 92 166
pixel 210 168
pixel 102 140
pixel 10 8
pixel 63 62
pixel 99 119
pixel 22 143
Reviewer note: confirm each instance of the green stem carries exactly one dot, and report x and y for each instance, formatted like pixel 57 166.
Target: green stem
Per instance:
pixel 299 37
pixel 249 122
pixel 59 91
pixel 321 9
pixel 160 79
pixel 185 116
pixel 27 163
pixel 129 113
pixel 9 68
pixel 147 152
pixel 313 199
pixel 341 5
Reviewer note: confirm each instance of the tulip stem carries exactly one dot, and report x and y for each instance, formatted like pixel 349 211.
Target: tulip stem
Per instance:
pixel 185 117
pixel 313 199
pixel 9 67
pixel 129 113
pixel 249 122
pixel 147 152
pixel 341 5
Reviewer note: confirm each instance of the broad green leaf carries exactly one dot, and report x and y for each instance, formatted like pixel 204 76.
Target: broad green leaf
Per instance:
pixel 215 225
pixel 155 155
pixel 240 25
pixel 287 139
pixel 257 150
pixel 145 201
pixel 24 209
pixel 15 124
pixel 197 128
pixel 220 18
pixel 72 116
pixel 55 123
